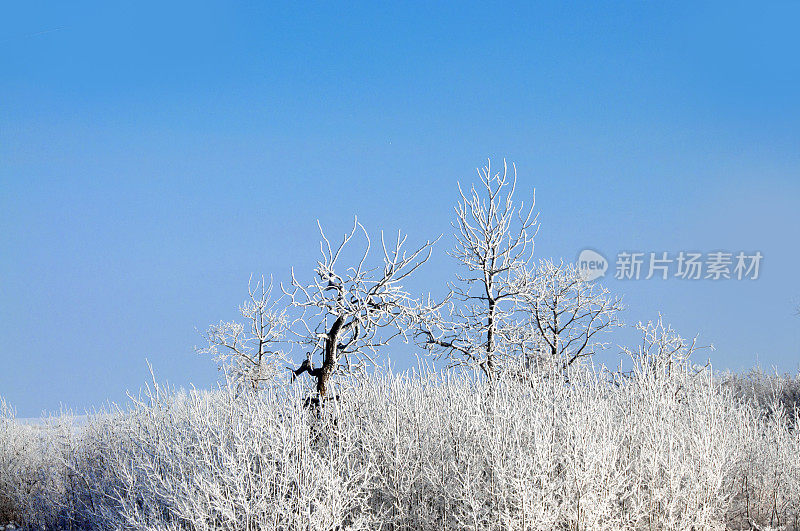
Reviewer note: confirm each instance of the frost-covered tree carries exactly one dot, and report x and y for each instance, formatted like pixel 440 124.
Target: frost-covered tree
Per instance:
pixel 251 353
pixel 476 324
pixel 566 315
pixel 663 358
pixel 350 311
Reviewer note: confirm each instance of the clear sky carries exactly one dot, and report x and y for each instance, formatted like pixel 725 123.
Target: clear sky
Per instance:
pixel 154 155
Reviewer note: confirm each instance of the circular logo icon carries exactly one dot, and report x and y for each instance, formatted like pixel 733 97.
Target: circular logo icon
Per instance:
pixel 592 265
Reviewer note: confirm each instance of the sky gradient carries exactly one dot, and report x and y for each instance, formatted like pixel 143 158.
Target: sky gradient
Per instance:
pixel 152 157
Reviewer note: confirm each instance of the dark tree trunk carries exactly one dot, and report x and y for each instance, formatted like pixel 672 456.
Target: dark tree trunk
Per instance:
pixel 330 357
pixel 490 340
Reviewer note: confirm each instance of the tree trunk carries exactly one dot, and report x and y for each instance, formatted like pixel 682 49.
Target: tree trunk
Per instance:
pixel 322 381
pixel 490 340
pixel 330 358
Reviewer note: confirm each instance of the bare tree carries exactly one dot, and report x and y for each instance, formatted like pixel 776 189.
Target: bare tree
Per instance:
pixel 662 354
pixel 350 312
pixel 476 322
pixel 250 354
pixel 566 315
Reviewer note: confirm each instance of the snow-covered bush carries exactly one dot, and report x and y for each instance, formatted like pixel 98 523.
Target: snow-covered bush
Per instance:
pixel 252 354
pixel 35 483
pixel 11 451
pixel 665 447
pixel 765 390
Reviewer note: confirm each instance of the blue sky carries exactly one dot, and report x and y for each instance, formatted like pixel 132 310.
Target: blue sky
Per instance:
pixel 153 156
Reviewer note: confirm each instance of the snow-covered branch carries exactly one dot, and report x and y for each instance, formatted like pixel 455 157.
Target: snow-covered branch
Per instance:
pixel 475 323
pixel 566 315
pixel 251 353
pixel 349 312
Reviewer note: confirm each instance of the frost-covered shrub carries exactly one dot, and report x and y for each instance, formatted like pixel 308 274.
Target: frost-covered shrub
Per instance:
pixel 766 390
pixel 665 447
pixel 11 452
pixel 35 484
